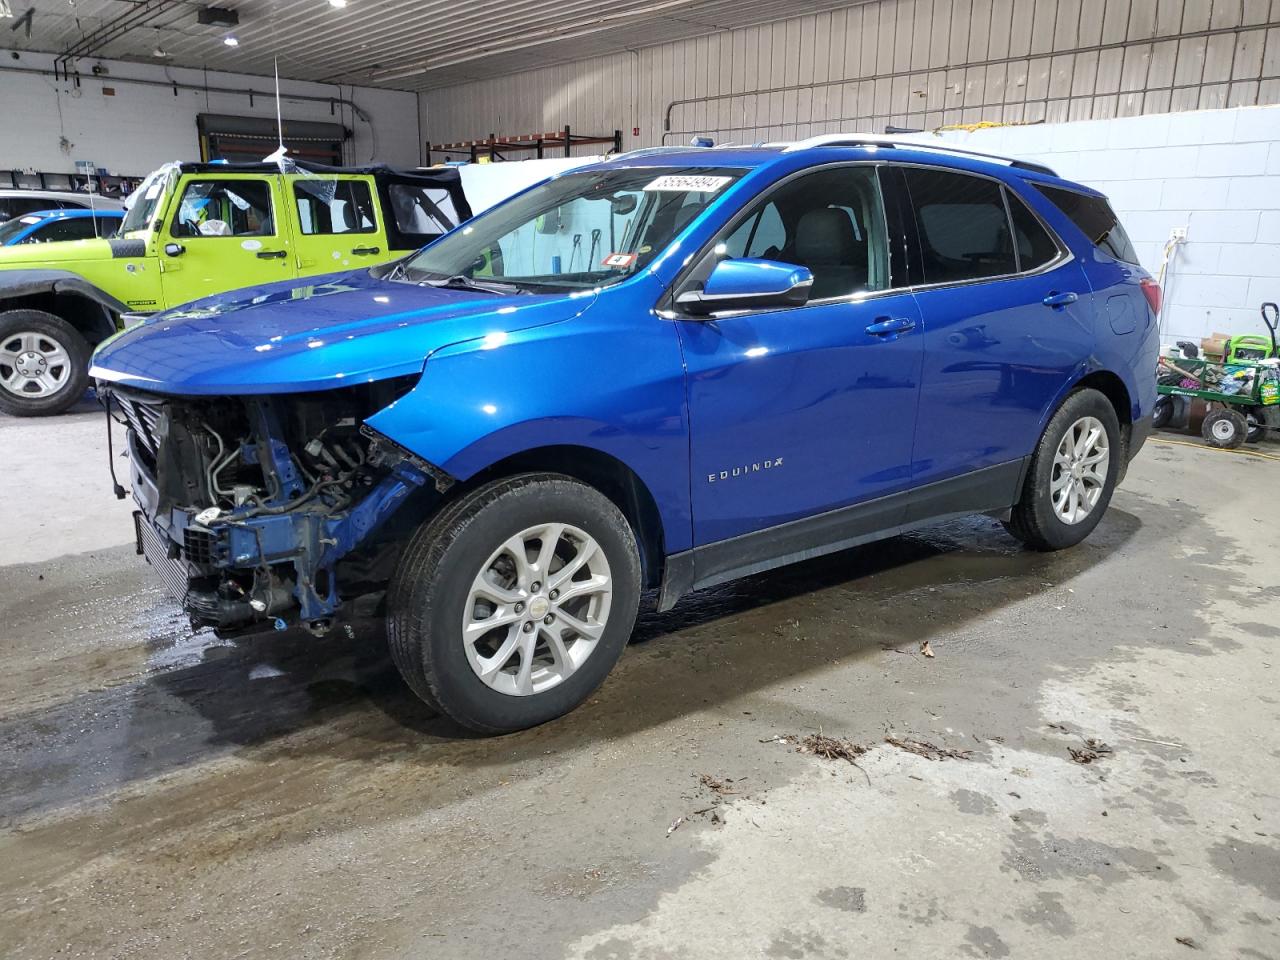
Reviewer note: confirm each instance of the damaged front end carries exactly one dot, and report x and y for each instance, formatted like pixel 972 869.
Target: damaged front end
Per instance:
pixel 270 510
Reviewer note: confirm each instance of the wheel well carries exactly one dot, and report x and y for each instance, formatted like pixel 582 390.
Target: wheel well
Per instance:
pixel 1113 388
pixel 92 319
pixel 605 473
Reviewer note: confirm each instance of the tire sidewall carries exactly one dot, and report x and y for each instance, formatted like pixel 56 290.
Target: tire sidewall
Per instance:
pixel 1084 403
pixel 1239 425
pixel 454 685
pixel 38 321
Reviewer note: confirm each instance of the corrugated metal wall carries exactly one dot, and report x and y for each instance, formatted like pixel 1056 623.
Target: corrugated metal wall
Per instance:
pixel 910 63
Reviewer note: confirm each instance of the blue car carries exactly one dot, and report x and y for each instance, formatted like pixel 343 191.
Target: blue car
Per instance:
pixel 659 372
pixel 51 226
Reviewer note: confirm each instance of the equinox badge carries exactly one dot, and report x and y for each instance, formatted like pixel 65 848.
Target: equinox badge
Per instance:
pixel 743 470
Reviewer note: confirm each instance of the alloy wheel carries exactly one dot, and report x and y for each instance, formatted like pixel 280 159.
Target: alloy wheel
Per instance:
pixel 537 608
pixel 33 365
pixel 1080 469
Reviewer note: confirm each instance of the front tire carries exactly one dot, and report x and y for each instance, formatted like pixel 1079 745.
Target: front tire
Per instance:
pixel 512 604
pixel 1073 472
pixel 44 364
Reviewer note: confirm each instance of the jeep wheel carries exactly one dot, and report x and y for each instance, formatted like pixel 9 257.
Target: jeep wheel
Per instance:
pixel 511 605
pixel 1072 474
pixel 44 364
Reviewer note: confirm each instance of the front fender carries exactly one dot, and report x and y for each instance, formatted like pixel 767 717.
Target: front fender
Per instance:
pixel 599 381
pixel 25 283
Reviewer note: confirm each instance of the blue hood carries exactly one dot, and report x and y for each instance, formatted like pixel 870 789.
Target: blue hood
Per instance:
pixel 316 334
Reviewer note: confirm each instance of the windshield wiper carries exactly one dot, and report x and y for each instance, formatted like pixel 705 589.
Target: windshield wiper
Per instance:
pixel 459 282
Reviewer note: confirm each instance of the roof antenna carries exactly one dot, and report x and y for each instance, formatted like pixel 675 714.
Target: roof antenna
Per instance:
pixel 281 150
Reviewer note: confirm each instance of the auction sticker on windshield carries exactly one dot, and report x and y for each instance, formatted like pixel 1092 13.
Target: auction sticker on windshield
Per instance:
pixel 688 183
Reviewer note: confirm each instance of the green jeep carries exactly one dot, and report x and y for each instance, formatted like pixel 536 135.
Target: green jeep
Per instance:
pixel 197 229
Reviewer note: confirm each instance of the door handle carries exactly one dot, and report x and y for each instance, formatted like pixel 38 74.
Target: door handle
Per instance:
pixel 271 254
pixel 1059 300
pixel 891 325
pixel 365 251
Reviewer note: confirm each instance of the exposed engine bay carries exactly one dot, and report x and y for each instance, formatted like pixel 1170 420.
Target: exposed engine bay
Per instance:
pixel 255 509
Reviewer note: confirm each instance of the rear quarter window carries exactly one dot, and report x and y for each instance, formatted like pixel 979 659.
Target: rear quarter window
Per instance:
pixel 1096 220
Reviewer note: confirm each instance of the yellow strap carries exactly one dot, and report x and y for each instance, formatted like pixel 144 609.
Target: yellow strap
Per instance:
pixel 1205 446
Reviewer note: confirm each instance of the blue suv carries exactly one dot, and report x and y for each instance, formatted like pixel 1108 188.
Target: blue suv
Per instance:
pixel 661 371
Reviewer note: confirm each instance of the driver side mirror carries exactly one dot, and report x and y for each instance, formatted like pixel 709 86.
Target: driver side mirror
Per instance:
pixel 174 249
pixel 748 284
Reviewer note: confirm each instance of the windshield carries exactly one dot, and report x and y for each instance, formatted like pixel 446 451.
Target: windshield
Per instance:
pixel 12 228
pixel 145 202
pixel 578 231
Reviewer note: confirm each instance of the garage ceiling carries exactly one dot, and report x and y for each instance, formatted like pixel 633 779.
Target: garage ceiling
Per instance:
pixel 401 44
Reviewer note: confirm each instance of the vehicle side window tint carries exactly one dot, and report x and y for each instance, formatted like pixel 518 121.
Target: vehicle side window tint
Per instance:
pixel 334 206
pixel 421 209
pixel 79 228
pixel 762 235
pixel 1095 218
pixel 20 205
pixel 963 226
pixel 225 208
pixel 1034 244
pixel 831 221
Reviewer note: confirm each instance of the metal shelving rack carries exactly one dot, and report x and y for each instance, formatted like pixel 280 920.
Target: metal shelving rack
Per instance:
pixel 107 186
pixel 495 147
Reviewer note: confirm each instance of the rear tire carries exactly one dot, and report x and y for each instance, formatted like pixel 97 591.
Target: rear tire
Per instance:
pixel 1255 426
pixel 1224 428
pixel 44 364
pixel 1074 470
pixel 461 571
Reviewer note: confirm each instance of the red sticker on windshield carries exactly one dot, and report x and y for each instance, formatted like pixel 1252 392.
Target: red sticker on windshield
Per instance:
pixel 619 260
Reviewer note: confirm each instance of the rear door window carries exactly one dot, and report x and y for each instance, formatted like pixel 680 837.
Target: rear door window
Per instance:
pixel 332 207
pixel 963 226
pixel 1096 220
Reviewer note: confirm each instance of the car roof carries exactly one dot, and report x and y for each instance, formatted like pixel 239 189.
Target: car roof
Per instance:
pixel 77 213
pixel 51 194
pixel 845 146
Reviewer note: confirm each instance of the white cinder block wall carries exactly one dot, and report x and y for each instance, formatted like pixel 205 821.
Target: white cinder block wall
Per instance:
pixel 142 125
pixel 1216 172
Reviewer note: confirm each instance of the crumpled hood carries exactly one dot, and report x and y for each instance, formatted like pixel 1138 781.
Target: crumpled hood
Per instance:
pixel 312 334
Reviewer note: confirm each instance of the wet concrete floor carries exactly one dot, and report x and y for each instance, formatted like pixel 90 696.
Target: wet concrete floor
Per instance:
pixel 166 794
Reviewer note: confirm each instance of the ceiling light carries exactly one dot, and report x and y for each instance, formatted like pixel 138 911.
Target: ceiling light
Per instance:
pixel 337 4
pixel 231 41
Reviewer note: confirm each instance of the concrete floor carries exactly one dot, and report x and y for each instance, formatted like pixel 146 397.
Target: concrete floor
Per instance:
pixel 167 795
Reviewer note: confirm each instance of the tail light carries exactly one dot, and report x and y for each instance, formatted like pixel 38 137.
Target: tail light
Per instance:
pixel 1151 290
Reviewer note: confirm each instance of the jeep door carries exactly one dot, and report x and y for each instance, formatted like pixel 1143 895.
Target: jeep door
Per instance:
pixel 337 224
pixel 224 232
pixel 802 410
pixel 1006 324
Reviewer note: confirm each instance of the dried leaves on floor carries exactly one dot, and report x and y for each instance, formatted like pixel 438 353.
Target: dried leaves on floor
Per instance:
pixel 922 748
pixel 820 745
pixel 720 787
pixel 926 649
pixel 1091 751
